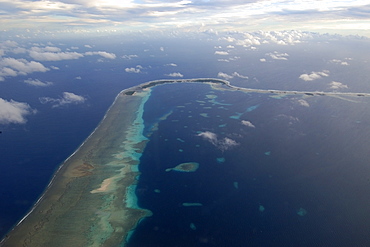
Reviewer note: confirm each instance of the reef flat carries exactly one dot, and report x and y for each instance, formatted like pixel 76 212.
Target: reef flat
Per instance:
pixel 90 200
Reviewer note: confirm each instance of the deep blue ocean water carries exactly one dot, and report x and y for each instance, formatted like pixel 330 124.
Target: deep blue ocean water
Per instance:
pixel 289 182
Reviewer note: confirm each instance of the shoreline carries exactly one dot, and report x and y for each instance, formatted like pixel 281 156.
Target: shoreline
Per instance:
pixel 79 180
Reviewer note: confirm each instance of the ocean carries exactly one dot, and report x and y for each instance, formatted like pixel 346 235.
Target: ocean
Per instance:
pixel 296 175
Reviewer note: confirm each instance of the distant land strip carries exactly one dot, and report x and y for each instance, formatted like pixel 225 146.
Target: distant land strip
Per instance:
pixel 149 84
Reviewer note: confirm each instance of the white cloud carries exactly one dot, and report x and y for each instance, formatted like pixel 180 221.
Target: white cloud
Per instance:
pixel 223 53
pixel 37 82
pixel 171 64
pixel 209 136
pixel 248 124
pixel 224 75
pixel 129 57
pixel 176 74
pixel 340 62
pixel 46 49
pixel 161 48
pixel 234 74
pixel 278 56
pixel 67 98
pixel 337 85
pixel 14 112
pixel 54 56
pixel 54 67
pixel 262 59
pixel 314 75
pixel 303 102
pixel 14 67
pixel 88 46
pixel 101 53
pixel 133 70
pixel 222 144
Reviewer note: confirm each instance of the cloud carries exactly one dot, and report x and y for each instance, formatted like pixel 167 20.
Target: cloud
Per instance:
pixel 337 85
pixel 46 49
pixel 248 124
pixel 278 56
pixel 340 62
pixel 101 53
pixel 262 59
pixel 171 64
pixel 234 74
pixel 133 70
pixel 143 15
pixel 314 75
pixel 223 53
pixel 14 67
pixel 176 74
pixel 303 102
pixel 224 75
pixel 37 82
pixel 129 57
pixel 67 98
pixel 14 112
pixel 54 56
pixel 222 144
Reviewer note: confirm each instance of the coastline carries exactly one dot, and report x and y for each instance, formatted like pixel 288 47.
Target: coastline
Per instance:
pixel 83 205
pixel 85 192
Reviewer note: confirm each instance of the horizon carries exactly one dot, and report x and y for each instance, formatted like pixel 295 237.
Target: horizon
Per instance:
pixel 110 16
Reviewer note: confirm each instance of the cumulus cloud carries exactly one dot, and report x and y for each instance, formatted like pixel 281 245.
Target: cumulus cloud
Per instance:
pixel 67 98
pixel 101 53
pixel 14 67
pixel 171 64
pixel 222 144
pixel 314 75
pixel 224 75
pixel 223 53
pixel 14 112
pixel 37 82
pixel 176 74
pixel 303 102
pixel 262 59
pixel 340 62
pixel 337 85
pixel 54 56
pixel 133 70
pixel 248 124
pixel 234 74
pixel 278 56
pixel 46 49
pixel 129 57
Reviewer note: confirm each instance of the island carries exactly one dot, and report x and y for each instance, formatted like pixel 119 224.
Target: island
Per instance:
pixel 91 199
pixel 185 167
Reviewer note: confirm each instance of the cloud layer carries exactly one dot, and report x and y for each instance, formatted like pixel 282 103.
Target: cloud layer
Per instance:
pixel 253 14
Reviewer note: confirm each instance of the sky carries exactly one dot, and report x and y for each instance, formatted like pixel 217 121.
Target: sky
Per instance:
pixel 341 16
